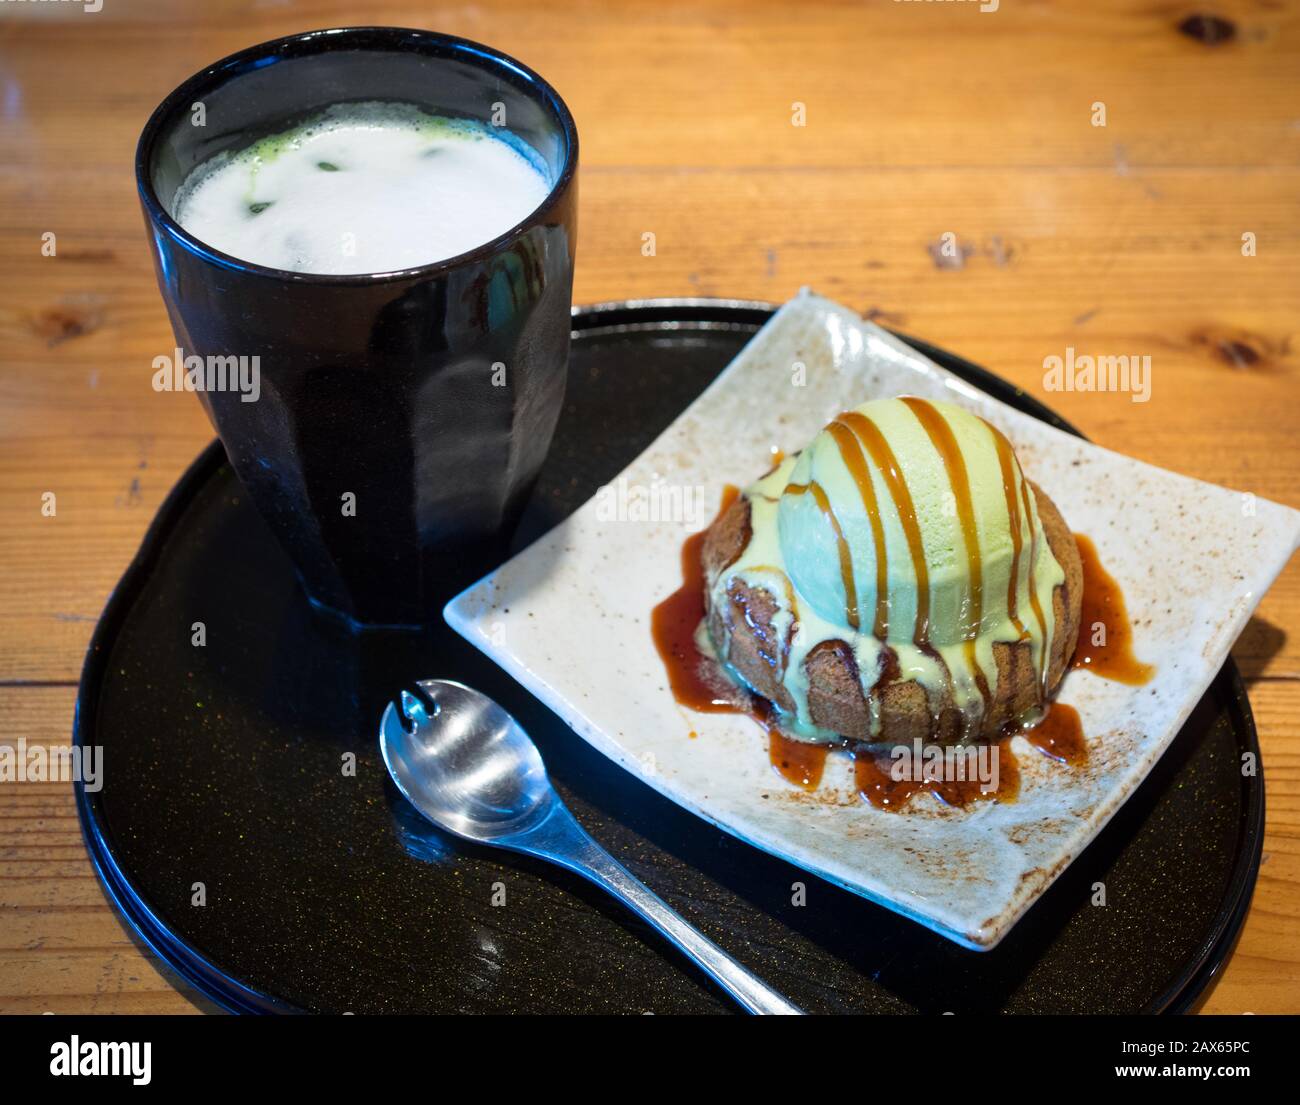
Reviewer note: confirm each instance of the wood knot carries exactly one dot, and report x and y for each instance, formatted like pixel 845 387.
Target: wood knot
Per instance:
pixel 1208 30
pixel 55 325
pixel 1237 349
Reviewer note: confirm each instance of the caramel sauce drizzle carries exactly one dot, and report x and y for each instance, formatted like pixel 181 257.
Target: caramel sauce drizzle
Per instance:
pixel 1034 604
pixel 777 457
pixel 1006 462
pixel 855 461
pixel 846 559
pixel 868 433
pixel 945 441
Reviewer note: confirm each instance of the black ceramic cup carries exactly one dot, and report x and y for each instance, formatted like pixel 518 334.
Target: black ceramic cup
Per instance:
pixel 400 417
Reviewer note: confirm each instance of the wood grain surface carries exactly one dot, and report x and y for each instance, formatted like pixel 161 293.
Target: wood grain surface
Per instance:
pixel 920 120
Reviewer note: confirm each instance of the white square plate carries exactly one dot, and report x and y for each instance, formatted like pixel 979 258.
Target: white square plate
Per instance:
pixel 569 617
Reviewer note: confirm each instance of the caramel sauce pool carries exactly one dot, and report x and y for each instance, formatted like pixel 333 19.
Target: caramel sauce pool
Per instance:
pixel 695 682
pixel 1059 735
pixel 797 762
pixel 699 684
pixel 1103 604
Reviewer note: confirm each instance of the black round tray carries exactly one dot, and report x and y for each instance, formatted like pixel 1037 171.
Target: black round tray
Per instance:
pixel 225 766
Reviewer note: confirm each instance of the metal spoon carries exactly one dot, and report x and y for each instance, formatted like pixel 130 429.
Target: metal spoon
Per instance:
pixel 469 768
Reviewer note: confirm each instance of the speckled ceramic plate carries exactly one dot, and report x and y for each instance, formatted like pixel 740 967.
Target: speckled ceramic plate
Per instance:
pixel 569 618
pixel 324 893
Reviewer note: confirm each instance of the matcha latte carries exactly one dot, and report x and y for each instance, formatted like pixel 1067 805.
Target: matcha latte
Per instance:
pixel 363 188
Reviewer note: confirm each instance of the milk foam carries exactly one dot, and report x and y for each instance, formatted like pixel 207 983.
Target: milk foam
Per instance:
pixel 363 188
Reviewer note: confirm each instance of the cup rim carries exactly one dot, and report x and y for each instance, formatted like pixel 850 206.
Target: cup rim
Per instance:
pixel 242 59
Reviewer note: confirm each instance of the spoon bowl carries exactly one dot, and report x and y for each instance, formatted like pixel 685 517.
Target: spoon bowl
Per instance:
pixel 464 762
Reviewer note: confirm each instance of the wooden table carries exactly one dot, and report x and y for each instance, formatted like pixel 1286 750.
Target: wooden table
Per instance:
pixel 921 120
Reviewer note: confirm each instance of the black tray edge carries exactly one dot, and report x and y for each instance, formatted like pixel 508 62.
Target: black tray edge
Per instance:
pixel 232 995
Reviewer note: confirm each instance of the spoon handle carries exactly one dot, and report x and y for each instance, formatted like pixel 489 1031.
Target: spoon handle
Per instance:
pixel 562 840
